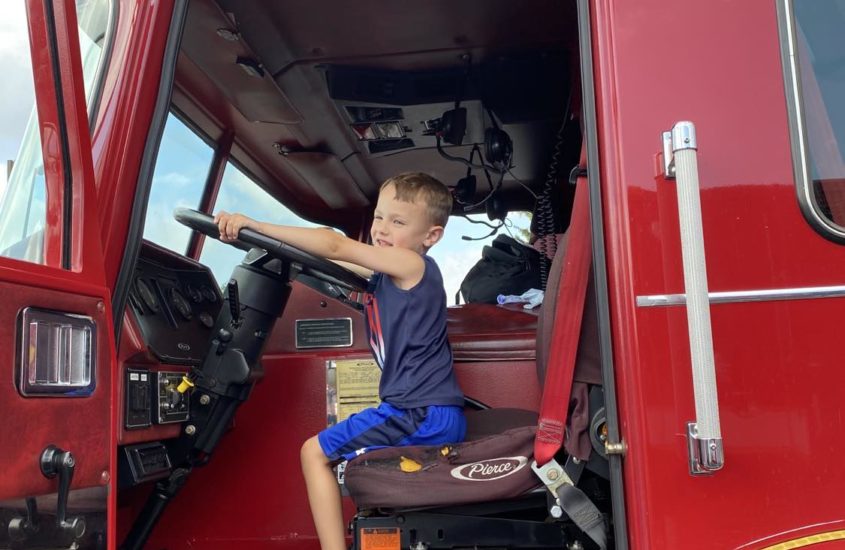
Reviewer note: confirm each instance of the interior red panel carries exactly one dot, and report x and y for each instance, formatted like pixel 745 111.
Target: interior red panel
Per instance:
pixel 477 332
pixel 264 492
pixel 133 353
pixel 79 424
pixel 485 332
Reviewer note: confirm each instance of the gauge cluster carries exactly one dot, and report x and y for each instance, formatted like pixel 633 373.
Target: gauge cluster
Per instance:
pixel 176 302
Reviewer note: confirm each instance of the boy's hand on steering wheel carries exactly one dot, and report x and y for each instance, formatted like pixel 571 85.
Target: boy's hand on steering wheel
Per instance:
pixel 229 225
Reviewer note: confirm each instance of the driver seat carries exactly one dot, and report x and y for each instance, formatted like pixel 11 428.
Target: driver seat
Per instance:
pixel 494 462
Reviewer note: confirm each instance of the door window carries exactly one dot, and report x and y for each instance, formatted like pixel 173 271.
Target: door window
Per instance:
pixel 814 57
pixel 23 187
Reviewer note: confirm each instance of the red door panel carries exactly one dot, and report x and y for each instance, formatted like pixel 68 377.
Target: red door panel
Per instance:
pixel 71 281
pixel 77 424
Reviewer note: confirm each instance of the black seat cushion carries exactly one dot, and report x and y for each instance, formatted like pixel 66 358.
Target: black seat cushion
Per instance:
pixel 486 467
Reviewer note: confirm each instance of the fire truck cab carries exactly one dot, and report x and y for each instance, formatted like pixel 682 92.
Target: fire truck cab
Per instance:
pixel 670 174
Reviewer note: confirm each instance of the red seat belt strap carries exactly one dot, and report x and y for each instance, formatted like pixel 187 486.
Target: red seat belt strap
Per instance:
pixel 566 330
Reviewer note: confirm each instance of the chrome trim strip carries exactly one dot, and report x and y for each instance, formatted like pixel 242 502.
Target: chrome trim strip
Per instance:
pixel 775 294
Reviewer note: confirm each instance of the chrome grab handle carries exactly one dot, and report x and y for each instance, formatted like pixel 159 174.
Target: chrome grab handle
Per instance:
pixel 704 436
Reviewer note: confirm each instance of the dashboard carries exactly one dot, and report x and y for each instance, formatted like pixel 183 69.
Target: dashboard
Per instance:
pixel 173 304
pixel 176 307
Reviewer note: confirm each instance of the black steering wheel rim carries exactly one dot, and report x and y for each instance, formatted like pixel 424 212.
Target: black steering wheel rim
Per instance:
pixel 247 239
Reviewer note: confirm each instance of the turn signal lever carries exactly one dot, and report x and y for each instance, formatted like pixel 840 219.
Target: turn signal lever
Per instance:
pixel 56 462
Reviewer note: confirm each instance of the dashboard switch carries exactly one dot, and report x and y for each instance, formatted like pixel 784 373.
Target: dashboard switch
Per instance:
pixel 137 399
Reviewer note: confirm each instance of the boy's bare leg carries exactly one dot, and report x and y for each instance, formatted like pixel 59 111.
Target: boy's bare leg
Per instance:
pixel 323 496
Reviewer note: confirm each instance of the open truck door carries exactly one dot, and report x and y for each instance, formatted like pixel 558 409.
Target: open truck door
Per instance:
pixel 56 335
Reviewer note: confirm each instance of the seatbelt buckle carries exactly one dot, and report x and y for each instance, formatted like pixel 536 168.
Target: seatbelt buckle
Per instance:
pixel 552 475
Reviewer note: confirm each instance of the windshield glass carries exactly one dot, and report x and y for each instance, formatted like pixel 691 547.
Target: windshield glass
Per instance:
pixel 23 203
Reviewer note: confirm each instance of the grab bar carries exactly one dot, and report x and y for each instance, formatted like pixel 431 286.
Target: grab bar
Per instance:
pixel 704 436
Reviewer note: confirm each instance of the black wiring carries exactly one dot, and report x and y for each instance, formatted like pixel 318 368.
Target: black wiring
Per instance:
pixel 463 161
pixel 493 189
pixel 481 222
pixel 545 211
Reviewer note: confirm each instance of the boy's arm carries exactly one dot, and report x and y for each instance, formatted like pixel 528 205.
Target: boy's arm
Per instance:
pixel 404 266
pixel 355 268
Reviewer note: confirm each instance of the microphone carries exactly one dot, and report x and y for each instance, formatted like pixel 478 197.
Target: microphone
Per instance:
pixel 467 238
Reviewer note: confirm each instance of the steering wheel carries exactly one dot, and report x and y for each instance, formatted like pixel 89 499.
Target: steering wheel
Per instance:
pixel 311 265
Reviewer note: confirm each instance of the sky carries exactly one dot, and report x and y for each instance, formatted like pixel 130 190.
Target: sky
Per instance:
pixel 181 170
pixel 16 86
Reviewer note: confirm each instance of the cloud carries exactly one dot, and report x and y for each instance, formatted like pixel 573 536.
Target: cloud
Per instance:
pixel 14 37
pixel 173 179
pixel 162 229
pixel 238 193
pixel 454 267
pixel 16 87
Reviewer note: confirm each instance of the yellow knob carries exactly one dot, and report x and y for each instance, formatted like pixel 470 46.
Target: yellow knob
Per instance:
pixel 184 385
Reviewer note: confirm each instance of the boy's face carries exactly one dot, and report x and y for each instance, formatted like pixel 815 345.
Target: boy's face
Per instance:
pixel 403 224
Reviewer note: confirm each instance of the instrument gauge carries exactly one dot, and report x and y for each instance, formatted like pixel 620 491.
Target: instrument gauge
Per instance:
pixel 206 319
pixel 194 294
pixel 208 293
pixel 147 295
pixel 178 300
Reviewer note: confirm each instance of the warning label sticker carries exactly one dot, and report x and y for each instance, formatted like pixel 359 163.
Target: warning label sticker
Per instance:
pixel 382 538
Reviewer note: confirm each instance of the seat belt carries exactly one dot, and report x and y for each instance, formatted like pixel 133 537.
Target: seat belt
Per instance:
pixel 567 329
pixel 560 369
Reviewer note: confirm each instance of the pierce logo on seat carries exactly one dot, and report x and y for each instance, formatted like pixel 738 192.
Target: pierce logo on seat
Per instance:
pixel 491 469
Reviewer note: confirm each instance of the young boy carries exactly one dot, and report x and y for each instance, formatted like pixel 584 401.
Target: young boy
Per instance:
pixel 406 329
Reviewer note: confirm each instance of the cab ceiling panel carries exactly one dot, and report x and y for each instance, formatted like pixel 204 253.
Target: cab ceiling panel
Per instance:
pixel 211 43
pixel 339 191
pixel 284 33
pixel 287 62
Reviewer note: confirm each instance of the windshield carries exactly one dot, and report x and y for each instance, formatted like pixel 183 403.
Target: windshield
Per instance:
pixel 23 203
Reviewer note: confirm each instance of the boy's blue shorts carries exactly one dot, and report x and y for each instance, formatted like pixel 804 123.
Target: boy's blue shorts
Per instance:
pixel 388 426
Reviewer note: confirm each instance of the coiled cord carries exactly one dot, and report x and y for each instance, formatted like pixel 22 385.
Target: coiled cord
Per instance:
pixel 544 211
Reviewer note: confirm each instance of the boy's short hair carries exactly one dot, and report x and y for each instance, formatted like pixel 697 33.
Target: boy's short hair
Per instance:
pixel 413 185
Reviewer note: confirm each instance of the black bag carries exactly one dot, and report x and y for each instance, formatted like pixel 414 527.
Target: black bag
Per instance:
pixel 506 267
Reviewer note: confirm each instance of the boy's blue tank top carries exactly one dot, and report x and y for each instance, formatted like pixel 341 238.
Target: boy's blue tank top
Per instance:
pixel 406 330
